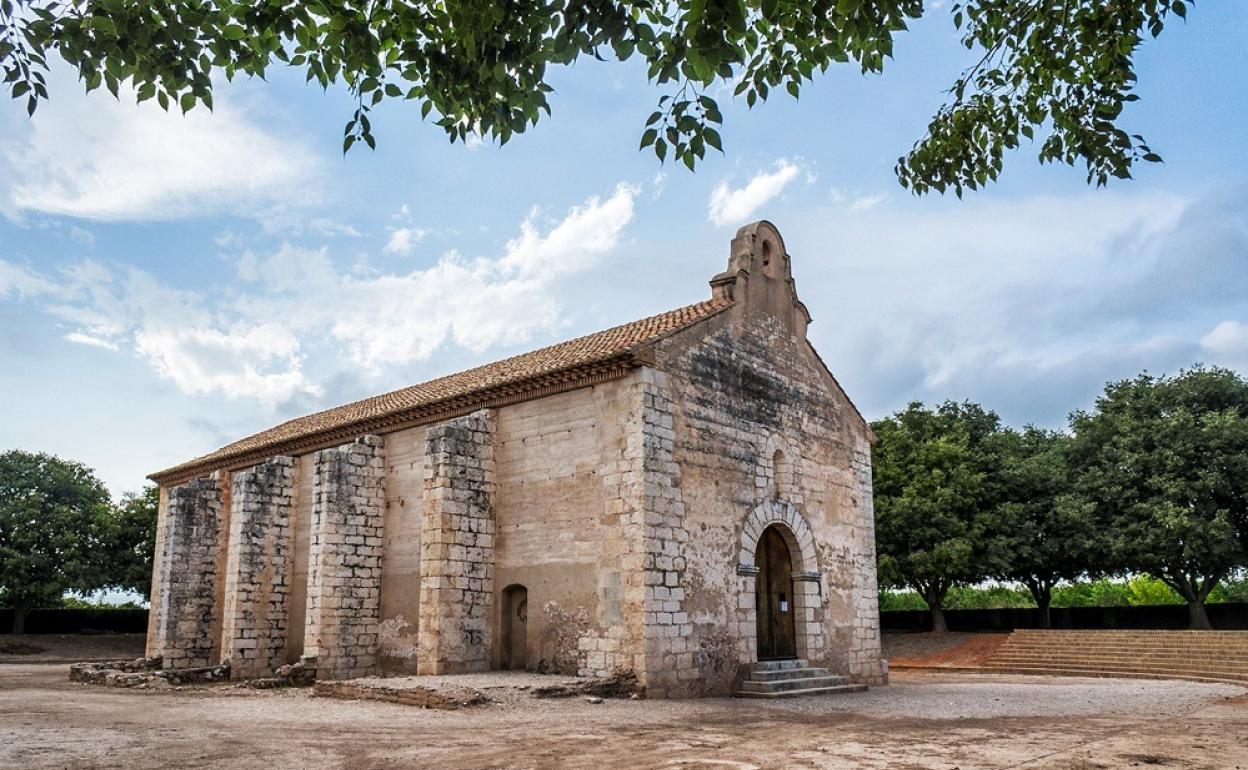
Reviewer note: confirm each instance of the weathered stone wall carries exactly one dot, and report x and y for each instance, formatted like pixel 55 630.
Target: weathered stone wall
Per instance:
pixel 745 391
pixel 864 647
pixel 567 506
pixel 191 542
pixel 400 580
pixel 304 474
pixel 154 610
pixel 344 564
pixel 671 646
pixel 457 546
pixel 257 579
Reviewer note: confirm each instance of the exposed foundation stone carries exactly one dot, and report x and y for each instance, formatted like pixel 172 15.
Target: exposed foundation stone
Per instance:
pixel 191 545
pixel 457 546
pixel 344 563
pixel 257 581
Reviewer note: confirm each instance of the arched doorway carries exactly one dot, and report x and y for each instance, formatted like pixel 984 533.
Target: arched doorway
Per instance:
pixel 777 638
pixel 514 638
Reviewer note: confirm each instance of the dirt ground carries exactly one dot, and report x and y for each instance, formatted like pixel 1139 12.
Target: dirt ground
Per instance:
pixel 69 648
pixel 943 721
pixel 947 649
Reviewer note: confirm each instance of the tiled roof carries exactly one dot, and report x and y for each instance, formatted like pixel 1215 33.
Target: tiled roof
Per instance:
pixel 528 372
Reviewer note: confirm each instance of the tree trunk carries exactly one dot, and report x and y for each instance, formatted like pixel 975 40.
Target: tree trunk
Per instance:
pixel 935 598
pixel 1197 617
pixel 1042 592
pixel 19 618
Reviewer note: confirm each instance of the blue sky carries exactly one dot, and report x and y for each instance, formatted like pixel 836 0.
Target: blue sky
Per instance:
pixel 169 284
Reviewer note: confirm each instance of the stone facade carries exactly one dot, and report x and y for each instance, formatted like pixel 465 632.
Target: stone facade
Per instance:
pixel 611 524
pixel 257 579
pixel 344 566
pixel 187 575
pixel 457 546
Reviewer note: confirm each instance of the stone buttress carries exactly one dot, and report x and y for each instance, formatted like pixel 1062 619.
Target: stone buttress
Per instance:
pixel 344 562
pixel 191 544
pixel 257 579
pixel 457 546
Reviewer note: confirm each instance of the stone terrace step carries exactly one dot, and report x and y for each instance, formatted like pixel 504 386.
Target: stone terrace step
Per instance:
pixel 786 685
pixel 788 673
pixel 779 665
pixel 1104 674
pixel 1116 666
pixel 792 679
pixel 1198 655
pixel 836 690
pixel 1123 652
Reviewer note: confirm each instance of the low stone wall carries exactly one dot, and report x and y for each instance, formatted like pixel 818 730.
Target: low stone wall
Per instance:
pixel 144 672
pixel 446 698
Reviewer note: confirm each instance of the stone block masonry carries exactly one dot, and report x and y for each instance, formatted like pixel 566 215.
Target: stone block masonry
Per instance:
pixel 671 651
pixel 344 562
pixel 864 649
pixel 191 545
pixel 457 546
pixel 257 580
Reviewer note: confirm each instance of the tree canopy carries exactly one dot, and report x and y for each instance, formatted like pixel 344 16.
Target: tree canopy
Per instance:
pixel 1164 460
pixel 1052 536
pixel 54 530
pixel 132 541
pixel 936 486
pixel 59 533
pixel 1056 72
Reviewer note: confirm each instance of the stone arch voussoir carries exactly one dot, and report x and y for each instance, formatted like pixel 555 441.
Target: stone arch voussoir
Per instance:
pixel 795 529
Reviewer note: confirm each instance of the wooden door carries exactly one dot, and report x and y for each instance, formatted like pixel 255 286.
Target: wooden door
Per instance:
pixel 774 598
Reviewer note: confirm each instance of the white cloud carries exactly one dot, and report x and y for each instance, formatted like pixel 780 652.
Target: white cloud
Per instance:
pixel 254 342
pixel 575 242
pixel 260 362
pixel 867 202
pixel 1028 304
pixel 730 206
pixel 403 240
pixel 1227 345
pixel 96 342
pixel 99 158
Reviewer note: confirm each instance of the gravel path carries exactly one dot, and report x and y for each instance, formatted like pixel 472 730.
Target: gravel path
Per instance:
pixel 920 722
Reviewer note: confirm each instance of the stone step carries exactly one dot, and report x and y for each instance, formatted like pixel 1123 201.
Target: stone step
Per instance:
pixel 1120 667
pixel 784 685
pixel 1056 632
pixel 1112 653
pixel 835 690
pixel 1173 649
pixel 1212 665
pixel 1188 644
pixel 779 665
pixel 1102 674
pixel 787 673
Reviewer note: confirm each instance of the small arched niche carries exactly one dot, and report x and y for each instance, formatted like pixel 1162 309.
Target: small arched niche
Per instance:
pixel 514 629
pixel 781 476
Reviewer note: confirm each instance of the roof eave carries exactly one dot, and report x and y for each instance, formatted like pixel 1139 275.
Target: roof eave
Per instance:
pixel 549 383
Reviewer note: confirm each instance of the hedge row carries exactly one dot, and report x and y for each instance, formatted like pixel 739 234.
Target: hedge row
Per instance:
pixel 1229 615
pixel 73 621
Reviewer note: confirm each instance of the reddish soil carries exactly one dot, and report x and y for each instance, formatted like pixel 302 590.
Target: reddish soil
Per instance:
pixel 972 651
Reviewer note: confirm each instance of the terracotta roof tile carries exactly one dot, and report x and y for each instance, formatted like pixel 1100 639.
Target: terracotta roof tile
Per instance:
pixel 533 367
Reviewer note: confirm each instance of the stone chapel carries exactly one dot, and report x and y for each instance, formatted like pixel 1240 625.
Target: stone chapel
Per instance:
pixel 680 497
